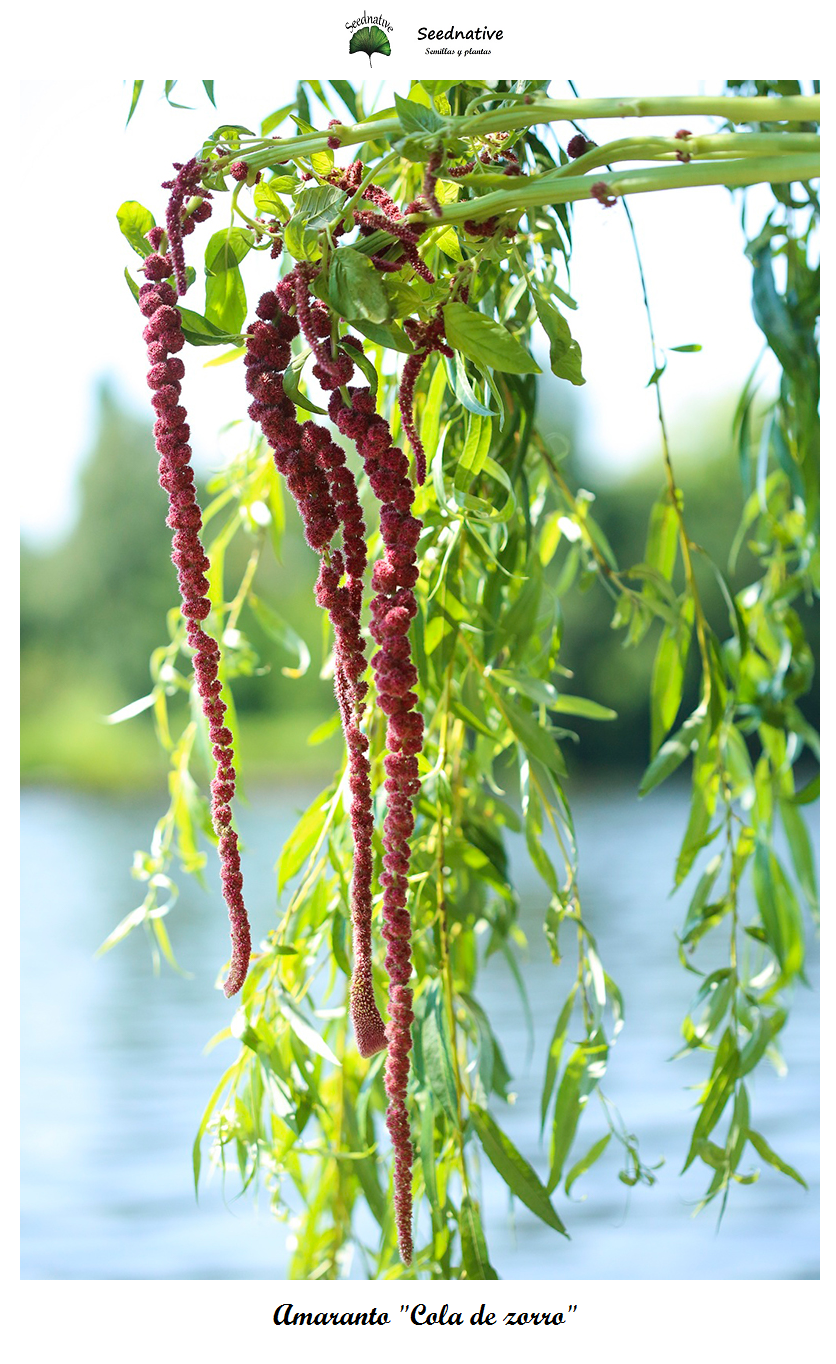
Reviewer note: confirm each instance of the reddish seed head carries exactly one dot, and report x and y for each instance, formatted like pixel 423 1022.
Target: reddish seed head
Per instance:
pixel 157 267
pixel 600 191
pixel 239 170
pixel 578 145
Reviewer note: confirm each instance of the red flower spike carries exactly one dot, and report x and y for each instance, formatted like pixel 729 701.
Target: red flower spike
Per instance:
pixel 177 477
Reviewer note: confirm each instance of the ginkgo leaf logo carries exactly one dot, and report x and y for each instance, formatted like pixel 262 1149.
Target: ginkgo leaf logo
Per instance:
pixel 370 40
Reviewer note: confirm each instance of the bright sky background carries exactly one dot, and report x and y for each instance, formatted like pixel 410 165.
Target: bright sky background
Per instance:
pixel 691 242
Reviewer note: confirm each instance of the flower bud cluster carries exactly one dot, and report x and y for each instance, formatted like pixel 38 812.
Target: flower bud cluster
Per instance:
pixel 185 185
pixel 426 338
pixel 164 338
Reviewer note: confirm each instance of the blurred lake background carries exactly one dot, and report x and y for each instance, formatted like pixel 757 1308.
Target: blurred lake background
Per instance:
pixel 114 1074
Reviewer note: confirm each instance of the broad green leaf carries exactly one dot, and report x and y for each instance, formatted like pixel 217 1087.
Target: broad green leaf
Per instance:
pixel 226 249
pixel 482 339
pixel 521 1179
pixel 355 288
pixel 389 334
pixel 564 351
pixel 417 118
pixel 201 331
pixel 134 221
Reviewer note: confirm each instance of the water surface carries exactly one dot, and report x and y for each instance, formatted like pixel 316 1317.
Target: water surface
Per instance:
pixel 114 1077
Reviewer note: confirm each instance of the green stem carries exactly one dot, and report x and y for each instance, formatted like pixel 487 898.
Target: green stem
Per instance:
pixel 549 190
pixel 762 108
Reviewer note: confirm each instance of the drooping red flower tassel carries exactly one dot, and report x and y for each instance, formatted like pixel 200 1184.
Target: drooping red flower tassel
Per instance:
pixel 164 337
pixel 326 494
pixel 393 608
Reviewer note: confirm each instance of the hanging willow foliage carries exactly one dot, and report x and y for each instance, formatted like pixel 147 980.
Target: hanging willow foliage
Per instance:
pixel 431 239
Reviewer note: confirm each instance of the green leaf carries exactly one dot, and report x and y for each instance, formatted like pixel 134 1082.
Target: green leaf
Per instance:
pixel 580 705
pixel 475 1260
pixel 132 284
pixel 521 1179
pixel 801 850
pixel 482 339
pixel 436 1045
pixel 766 1153
pixel 209 87
pixel 555 1051
pixel 388 335
pixel 290 384
pixel 669 675
pixel 417 118
pixel 535 738
pixel 134 221
pixel 692 347
pixel 673 752
pixel 372 41
pixel 477 443
pixel 284 634
pixel 204 1121
pixel 779 911
pixel 463 389
pixel 567 1111
pixel 137 91
pixel 564 351
pixel 306 1034
pixel 586 1161
pixel 355 288
pixel 199 331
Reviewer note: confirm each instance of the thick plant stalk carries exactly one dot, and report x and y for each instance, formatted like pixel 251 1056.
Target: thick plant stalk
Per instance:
pixel 164 337
pixel 326 495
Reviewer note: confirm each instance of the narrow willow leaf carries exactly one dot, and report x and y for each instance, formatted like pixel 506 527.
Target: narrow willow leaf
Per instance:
pixel 779 911
pixel 587 1161
pixel 135 94
pixel 284 634
pixel 307 1034
pixel 521 1179
pixel 669 676
pixel 555 1052
pixel 482 339
pixel 801 850
pixel 580 705
pixel 673 752
pixel 766 1153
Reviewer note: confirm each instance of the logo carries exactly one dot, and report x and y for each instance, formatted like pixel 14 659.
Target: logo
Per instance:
pixel 370 36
